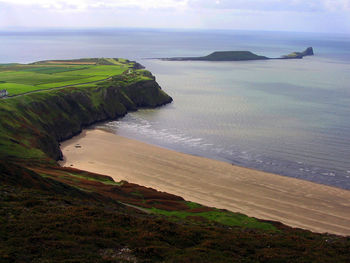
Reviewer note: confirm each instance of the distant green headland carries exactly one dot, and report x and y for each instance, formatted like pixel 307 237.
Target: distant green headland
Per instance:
pixel 43 75
pixel 240 56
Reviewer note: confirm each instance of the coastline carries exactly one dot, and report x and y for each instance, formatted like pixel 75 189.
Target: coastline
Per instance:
pixel 294 202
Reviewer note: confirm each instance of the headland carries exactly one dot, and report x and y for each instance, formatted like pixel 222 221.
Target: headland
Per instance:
pixel 240 56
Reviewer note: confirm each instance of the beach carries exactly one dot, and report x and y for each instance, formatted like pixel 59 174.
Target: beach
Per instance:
pixel 294 202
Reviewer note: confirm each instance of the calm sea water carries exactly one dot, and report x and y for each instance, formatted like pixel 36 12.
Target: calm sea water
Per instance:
pixel 290 117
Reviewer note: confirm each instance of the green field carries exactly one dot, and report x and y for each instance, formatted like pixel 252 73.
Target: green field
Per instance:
pixel 23 78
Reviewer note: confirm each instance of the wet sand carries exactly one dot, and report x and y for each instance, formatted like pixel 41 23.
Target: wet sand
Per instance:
pixel 294 202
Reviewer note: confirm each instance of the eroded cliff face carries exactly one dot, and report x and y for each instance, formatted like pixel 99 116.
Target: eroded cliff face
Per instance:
pixel 41 120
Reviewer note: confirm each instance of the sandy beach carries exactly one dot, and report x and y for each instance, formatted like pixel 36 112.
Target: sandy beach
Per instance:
pixel 263 195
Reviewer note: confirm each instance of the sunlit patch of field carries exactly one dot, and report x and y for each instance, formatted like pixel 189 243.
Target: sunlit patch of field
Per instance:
pixel 72 63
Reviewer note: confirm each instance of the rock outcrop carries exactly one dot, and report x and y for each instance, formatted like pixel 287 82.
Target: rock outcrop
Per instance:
pixel 307 52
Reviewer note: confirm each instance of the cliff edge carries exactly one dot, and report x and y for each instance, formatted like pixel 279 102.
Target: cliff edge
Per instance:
pixel 32 125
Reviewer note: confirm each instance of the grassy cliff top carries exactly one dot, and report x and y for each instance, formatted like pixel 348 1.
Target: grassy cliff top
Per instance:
pixel 23 78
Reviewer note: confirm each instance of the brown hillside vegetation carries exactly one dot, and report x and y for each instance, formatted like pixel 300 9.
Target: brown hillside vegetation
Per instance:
pixel 44 219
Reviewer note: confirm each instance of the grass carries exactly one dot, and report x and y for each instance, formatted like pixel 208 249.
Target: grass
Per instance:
pixel 19 78
pixel 193 205
pixel 52 69
pixel 102 179
pixel 16 88
pixel 72 82
pixel 220 216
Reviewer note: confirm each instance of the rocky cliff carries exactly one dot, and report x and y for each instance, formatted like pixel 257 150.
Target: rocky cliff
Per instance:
pixel 32 125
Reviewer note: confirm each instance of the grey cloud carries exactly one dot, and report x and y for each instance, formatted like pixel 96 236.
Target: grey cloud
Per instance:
pixel 272 5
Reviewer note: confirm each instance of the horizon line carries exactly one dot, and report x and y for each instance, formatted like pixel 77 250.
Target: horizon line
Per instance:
pixel 57 28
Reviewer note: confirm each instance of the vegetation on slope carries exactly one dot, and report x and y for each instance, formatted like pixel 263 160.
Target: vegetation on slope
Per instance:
pixel 47 215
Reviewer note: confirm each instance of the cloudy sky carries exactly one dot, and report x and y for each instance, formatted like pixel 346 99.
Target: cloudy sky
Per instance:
pixel 284 15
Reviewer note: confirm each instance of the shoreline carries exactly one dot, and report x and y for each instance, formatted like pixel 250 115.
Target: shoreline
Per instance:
pixel 263 195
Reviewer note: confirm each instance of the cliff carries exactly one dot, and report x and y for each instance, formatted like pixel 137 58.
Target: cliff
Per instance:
pixel 32 125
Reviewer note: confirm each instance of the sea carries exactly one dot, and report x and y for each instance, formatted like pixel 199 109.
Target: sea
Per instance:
pixel 290 117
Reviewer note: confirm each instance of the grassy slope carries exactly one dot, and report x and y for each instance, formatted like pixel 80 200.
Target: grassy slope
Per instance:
pixel 19 78
pixel 60 214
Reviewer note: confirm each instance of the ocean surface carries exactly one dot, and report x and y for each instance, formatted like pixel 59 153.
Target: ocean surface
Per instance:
pixel 290 117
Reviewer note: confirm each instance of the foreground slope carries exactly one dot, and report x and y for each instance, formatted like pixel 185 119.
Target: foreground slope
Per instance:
pixel 51 214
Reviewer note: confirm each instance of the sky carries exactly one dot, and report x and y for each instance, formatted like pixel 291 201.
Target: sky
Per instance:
pixel 271 15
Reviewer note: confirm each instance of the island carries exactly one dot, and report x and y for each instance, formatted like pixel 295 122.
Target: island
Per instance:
pixel 50 213
pixel 240 56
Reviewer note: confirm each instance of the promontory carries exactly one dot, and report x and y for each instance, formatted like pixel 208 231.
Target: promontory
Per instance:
pixel 240 56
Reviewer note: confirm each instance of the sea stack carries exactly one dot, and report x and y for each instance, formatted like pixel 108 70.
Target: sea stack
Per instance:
pixel 308 52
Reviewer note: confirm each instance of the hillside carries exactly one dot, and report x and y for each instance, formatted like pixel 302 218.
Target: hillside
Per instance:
pixel 223 56
pixel 53 214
